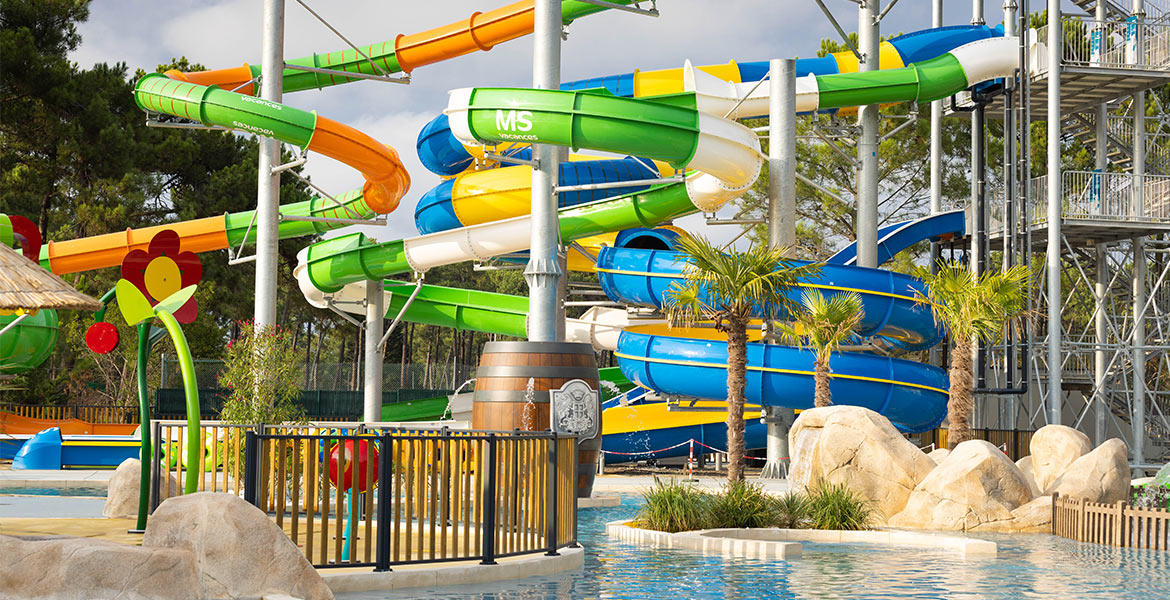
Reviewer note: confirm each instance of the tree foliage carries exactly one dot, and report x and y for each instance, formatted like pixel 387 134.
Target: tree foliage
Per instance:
pixel 727 288
pixel 823 323
pixel 973 308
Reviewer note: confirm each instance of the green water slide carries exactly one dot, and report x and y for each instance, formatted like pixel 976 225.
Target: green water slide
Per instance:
pixel 677 128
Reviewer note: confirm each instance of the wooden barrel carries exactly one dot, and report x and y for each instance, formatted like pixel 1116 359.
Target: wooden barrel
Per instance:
pixel 501 399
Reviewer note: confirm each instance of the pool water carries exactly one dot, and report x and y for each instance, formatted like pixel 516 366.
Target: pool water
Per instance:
pixel 1027 566
pixel 89 492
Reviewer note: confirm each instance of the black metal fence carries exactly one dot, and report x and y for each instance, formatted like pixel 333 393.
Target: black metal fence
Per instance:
pixel 400 496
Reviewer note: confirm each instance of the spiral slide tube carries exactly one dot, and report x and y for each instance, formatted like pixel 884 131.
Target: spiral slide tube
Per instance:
pixel 442 154
pixel 724 155
pixel 912 394
pixel 479 32
pixel 199 96
pixel 386 178
pixel 693 362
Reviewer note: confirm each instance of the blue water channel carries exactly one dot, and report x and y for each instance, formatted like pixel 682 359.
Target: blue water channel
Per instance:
pixel 1027 566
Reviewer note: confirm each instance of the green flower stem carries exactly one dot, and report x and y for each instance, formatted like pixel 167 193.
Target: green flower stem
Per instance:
pixel 191 392
pixel 143 421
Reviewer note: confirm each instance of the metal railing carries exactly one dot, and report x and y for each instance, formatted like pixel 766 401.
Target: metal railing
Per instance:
pixel 221 454
pixel 1015 443
pixel 1113 44
pixel 1104 196
pixel 430 496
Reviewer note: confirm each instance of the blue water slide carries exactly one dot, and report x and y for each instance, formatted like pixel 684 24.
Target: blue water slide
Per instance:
pixel 41 452
pixel 912 395
pixel 642 277
pixel 895 238
pixel 912 47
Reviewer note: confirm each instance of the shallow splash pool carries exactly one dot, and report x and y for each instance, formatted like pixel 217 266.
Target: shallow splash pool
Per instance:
pixel 78 491
pixel 1027 566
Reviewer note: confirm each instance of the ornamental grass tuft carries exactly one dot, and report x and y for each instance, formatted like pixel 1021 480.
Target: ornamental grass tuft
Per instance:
pixel 673 507
pixel 791 511
pixel 835 506
pixel 742 504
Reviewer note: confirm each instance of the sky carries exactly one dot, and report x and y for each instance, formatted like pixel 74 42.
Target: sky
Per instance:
pixel 226 33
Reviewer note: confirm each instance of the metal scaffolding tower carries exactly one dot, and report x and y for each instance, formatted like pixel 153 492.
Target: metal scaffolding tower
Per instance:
pixel 1098 357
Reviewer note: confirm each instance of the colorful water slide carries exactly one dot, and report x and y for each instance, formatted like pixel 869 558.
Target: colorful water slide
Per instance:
pixel 895 238
pixel 692 362
pixel 687 131
pixel 443 154
pixel 684 130
pixel 203 96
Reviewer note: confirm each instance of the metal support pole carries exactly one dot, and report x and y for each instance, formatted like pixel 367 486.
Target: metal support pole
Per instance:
pixel 867 148
pixel 372 385
pixel 543 271
pixel 1100 326
pixel 1100 361
pixel 936 111
pixel 936 176
pixel 782 154
pixel 978 234
pixel 781 225
pixel 551 510
pixel 1055 42
pixel 268 183
pixel 1139 350
pixel 488 533
pixel 385 497
pixel 1140 265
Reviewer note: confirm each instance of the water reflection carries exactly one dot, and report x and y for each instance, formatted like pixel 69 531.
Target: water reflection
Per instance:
pixel 1027 566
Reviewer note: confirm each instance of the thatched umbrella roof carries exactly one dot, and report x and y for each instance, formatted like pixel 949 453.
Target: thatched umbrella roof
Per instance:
pixel 25 285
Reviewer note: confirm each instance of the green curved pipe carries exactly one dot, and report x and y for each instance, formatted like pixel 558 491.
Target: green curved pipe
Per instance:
pixel 453 308
pixel 191 394
pixel 346 259
pixel 661 127
pixel 213 106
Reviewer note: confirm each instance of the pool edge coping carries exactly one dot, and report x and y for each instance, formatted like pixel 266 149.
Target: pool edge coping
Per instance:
pixel 457 574
pixel 785 543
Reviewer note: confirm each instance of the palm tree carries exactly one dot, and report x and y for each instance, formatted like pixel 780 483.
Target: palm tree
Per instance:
pixel 972 308
pixel 729 288
pixel 823 324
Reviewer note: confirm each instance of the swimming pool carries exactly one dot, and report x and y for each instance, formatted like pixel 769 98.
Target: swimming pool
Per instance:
pixel 86 491
pixel 1027 566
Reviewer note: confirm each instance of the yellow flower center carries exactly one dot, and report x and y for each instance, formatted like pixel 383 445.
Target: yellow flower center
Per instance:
pixel 162 278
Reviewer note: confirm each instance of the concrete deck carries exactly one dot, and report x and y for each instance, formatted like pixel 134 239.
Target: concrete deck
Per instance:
pixel 10 478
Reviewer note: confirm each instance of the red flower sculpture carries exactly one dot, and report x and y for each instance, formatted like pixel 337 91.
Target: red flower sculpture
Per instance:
pixel 162 270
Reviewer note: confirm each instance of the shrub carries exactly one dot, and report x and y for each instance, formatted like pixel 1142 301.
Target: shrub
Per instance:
pixel 790 511
pixel 674 507
pixel 1151 496
pixel 741 504
pixel 261 373
pixel 838 507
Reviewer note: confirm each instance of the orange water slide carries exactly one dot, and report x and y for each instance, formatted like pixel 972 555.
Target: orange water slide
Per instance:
pixel 18 425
